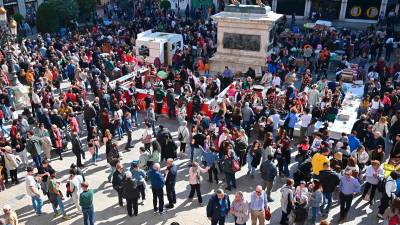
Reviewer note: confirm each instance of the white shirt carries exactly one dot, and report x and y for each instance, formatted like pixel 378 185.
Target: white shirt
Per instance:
pixel 275 120
pixel 276 81
pixel 31 182
pixel 305 120
pixel 76 184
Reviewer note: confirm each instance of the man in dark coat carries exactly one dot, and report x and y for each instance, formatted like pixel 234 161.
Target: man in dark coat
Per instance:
pixel 77 149
pixel 329 181
pixel 218 207
pixel 164 137
pixel 89 114
pixel 170 180
pixel 130 193
pixel 117 179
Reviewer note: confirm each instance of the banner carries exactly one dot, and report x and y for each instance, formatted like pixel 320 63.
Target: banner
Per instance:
pixel 362 9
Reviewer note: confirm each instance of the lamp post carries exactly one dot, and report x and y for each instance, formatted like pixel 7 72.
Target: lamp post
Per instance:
pixel 8 33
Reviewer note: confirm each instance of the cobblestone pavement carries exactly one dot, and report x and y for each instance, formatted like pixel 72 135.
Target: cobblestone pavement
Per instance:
pixel 106 206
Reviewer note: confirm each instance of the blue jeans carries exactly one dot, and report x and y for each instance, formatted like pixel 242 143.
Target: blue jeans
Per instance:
pixel 314 211
pixel 111 173
pixel 327 200
pixel 95 154
pixel 230 180
pixel 134 118
pixel 88 213
pixel 60 204
pixel 37 204
pixel 251 169
pixel 119 129
pixel 37 160
pixel 286 169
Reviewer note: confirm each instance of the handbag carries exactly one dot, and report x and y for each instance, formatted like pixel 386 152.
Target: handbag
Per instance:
pixel 267 212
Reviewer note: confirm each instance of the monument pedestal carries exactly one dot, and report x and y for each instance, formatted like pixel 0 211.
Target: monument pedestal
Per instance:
pixel 245 35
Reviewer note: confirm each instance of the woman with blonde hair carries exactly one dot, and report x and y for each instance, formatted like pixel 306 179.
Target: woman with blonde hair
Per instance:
pixel 240 209
pixel 381 126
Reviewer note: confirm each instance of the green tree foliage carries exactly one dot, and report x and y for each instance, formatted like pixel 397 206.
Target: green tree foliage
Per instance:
pixel 18 18
pixel 54 14
pixel 165 4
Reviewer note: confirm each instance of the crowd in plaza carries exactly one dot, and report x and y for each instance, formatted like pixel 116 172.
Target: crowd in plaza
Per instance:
pixel 251 123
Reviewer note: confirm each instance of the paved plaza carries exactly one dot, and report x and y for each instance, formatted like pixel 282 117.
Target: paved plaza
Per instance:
pixel 106 206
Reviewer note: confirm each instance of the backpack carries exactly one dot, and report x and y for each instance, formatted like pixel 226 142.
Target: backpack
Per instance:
pixel 235 166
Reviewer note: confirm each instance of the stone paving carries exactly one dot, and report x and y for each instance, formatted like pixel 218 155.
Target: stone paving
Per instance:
pixel 106 206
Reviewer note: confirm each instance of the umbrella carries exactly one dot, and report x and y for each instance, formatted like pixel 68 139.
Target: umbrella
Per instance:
pixel 162 74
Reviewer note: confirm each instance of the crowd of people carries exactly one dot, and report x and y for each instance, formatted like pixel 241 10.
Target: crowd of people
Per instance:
pixel 244 128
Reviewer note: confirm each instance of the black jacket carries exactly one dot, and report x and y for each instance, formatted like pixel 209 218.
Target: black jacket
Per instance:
pixel 268 171
pixel 117 179
pixel 171 176
pixel 329 180
pixel 213 207
pixel 129 189
pixel 76 146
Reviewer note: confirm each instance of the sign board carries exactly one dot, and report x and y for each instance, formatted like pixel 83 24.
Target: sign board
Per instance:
pixel 361 9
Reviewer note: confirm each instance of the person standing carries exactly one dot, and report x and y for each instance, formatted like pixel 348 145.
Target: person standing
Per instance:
pixel 240 209
pixel 33 190
pixel 151 117
pixel 183 136
pixel 258 204
pixel 130 193
pixel 373 174
pixel 170 180
pixel 77 148
pixel 316 200
pixel 128 129
pixel 287 201
pixel 349 187
pixel 290 123
pixel 112 159
pixel 55 196
pixel 75 182
pixel 139 175
pixel 117 179
pixel 229 173
pixel 329 180
pixel 11 163
pixel 195 181
pixel 389 193
pixel 86 202
pixel 218 207
pixel 268 173
pixel 10 216
pixel 157 185
pixel 305 121
pixel 34 147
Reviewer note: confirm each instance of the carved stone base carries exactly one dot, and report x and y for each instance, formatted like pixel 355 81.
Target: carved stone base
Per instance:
pixel 235 63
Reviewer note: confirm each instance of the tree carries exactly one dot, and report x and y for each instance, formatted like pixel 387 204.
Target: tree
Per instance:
pixel 86 8
pixel 165 5
pixel 53 14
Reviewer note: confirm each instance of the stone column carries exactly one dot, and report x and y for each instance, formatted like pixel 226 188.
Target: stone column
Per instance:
pixel 1 3
pixel 39 2
pixel 307 9
pixel 274 4
pixel 343 6
pixel 383 7
pixel 21 7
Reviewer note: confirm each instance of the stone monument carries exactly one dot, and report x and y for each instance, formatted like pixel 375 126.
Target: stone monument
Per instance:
pixel 245 35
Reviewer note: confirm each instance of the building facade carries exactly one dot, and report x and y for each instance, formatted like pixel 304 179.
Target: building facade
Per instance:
pixel 23 7
pixel 343 10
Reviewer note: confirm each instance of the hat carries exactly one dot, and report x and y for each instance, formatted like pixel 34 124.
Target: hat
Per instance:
pixel 345 139
pixel 135 162
pixel 302 182
pixel 7 207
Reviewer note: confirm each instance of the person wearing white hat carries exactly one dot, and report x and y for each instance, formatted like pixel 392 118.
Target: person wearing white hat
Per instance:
pixel 131 193
pixel 10 216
